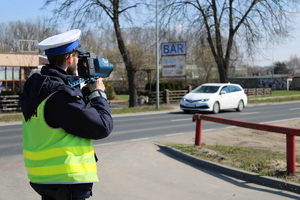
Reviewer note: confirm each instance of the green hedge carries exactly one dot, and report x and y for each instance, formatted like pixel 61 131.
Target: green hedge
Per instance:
pixel 166 85
pixel 10 92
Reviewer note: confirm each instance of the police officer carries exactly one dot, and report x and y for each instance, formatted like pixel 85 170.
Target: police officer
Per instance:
pixel 57 126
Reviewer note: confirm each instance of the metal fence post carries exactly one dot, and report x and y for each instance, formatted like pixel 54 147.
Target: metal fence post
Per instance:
pixel 290 133
pixel 198 135
pixel 291 154
pixel 166 96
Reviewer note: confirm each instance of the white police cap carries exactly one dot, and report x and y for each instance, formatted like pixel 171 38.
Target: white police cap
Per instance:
pixel 61 43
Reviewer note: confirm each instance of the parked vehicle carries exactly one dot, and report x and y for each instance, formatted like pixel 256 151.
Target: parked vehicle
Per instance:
pixel 214 97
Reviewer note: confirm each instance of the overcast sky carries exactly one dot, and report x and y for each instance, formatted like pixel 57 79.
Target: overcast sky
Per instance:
pixel 13 10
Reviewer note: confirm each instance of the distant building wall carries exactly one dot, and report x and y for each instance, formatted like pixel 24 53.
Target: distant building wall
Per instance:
pixel 278 82
pixel 20 60
pixel 296 83
pixel 244 82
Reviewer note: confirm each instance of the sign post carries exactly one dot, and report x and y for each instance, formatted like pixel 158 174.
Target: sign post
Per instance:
pixel 157 59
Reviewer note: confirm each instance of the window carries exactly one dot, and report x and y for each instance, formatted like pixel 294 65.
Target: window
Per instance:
pixel 237 88
pixel 16 73
pixel 2 73
pixel 234 88
pixel 9 77
pixel 207 89
pixel 9 73
pixel 226 89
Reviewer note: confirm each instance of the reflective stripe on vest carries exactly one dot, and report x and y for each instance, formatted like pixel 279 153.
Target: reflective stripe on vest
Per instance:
pixel 54 156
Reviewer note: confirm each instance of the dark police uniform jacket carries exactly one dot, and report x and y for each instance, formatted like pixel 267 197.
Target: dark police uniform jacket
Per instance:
pixel 64 109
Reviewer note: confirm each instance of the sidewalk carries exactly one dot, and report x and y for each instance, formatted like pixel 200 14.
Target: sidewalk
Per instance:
pixel 146 171
pixel 149 170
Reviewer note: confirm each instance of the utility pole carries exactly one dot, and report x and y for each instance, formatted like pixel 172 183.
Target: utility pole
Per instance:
pixel 157 60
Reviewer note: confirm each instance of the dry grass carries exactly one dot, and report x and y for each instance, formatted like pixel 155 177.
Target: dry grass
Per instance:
pixel 263 162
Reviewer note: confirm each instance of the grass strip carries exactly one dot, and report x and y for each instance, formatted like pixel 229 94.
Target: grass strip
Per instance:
pixel 274 99
pixel 264 162
pixel 11 117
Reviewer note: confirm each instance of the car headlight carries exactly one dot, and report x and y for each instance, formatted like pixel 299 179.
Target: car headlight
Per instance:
pixel 183 99
pixel 203 100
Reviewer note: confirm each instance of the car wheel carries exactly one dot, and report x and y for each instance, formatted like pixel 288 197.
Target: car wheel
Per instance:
pixel 186 111
pixel 240 106
pixel 216 108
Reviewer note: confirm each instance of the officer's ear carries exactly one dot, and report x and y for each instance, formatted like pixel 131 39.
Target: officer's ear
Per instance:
pixel 69 59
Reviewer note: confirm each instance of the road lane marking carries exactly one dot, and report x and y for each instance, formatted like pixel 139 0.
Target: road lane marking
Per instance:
pixel 174 134
pixel 248 113
pixel 176 120
pixel 294 109
pixel 139 139
pixel 296 118
pixel 211 129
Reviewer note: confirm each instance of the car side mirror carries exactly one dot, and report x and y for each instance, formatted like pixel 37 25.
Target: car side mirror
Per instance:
pixel 223 92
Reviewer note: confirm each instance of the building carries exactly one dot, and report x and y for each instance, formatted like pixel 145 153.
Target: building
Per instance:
pixel 15 68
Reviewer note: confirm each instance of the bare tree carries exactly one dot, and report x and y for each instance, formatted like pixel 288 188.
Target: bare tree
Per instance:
pixel 248 23
pixel 14 31
pixel 203 59
pixel 82 12
pixel 293 64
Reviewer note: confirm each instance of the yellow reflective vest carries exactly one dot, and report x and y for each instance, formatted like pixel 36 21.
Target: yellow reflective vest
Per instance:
pixel 54 156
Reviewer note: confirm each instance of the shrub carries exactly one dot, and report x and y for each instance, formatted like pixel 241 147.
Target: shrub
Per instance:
pixel 166 85
pixel 10 92
pixel 110 92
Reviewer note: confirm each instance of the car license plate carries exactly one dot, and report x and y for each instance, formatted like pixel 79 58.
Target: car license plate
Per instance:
pixel 191 105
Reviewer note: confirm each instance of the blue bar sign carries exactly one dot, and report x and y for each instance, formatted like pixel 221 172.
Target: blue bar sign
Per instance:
pixel 174 48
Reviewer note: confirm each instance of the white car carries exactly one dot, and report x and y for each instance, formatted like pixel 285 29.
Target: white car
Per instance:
pixel 214 97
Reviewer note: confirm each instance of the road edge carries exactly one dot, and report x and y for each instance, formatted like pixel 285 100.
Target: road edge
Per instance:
pixel 230 171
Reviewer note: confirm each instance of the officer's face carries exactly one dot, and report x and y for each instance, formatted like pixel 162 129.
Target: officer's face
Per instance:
pixel 72 69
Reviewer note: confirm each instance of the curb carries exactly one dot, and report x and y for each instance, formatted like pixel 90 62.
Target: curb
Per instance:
pixel 230 171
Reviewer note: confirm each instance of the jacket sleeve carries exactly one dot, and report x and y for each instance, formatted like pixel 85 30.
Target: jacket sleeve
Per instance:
pixel 68 112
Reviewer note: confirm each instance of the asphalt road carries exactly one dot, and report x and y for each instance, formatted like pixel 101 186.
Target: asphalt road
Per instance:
pixel 153 125
pixel 147 126
pixel 131 164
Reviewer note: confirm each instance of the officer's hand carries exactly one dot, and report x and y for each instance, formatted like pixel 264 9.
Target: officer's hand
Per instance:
pixel 98 84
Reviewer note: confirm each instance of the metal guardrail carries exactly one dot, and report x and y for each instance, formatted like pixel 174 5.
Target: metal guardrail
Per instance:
pixel 290 133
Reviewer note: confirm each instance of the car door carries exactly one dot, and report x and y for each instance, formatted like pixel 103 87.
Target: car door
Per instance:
pixel 225 98
pixel 234 96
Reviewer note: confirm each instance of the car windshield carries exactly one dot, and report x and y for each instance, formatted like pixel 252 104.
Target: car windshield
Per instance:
pixel 206 89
